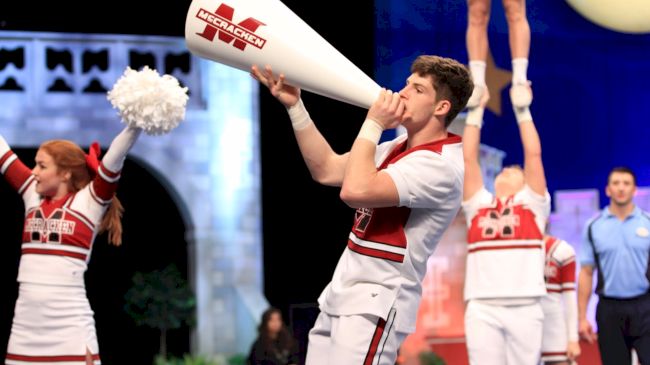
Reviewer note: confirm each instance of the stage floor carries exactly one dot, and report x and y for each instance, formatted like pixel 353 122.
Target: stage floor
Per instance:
pixel 454 352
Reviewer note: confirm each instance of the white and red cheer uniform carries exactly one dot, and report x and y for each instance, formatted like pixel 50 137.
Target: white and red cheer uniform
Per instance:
pixel 371 303
pixel 504 276
pixel 53 322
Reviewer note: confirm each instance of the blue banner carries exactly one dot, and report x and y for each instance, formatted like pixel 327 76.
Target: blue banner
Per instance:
pixel 591 85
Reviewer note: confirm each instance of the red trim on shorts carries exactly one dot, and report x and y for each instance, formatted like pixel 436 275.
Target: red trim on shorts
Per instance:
pixel 505 247
pixel 557 353
pixel 556 356
pixel 559 290
pixel 374 344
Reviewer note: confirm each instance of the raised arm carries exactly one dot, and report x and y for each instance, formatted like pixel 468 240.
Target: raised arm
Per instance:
pixel 114 158
pixel 364 186
pixel 473 180
pixel 326 166
pixel 16 173
pixel 108 172
pixel 532 147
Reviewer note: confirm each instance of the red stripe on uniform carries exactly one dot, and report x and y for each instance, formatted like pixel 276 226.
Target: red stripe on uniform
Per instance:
pixel 95 198
pixel 26 186
pixel 57 358
pixel 5 157
pixel 40 251
pixel 505 247
pixel 85 220
pixel 398 236
pixel 104 189
pixel 374 344
pixel 559 353
pixel 108 172
pixel 375 253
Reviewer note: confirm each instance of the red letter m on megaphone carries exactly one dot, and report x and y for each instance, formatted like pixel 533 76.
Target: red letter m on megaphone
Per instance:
pixel 220 22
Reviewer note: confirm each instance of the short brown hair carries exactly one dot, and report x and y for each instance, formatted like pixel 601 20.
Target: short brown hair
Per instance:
pixel 451 80
pixel 622 170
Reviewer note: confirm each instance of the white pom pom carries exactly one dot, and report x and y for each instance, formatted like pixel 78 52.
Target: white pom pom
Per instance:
pixel 146 100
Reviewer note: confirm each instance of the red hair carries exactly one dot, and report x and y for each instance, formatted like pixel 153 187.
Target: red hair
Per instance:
pixel 69 157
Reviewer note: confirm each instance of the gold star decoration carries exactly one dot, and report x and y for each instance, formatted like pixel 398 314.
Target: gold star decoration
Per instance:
pixel 496 79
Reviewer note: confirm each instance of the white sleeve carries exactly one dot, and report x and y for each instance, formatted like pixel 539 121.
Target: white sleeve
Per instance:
pixel 384 148
pixel 570 300
pixel 540 205
pixel 120 147
pixel 425 179
pixel 18 175
pixel 472 205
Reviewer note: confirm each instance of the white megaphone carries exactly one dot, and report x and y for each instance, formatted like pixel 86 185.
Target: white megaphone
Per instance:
pixel 242 33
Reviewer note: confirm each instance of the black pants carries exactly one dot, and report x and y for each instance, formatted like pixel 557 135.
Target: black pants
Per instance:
pixel 623 324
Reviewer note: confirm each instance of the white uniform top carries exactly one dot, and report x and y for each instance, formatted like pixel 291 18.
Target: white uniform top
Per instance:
pixel 560 275
pixel 58 235
pixel 385 260
pixel 505 253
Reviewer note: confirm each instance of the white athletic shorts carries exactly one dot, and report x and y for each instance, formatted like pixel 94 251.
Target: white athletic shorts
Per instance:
pixel 554 339
pixel 361 339
pixel 503 334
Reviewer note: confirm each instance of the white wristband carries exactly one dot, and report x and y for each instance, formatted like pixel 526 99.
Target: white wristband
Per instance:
pixel 371 130
pixel 299 116
pixel 523 115
pixel 475 117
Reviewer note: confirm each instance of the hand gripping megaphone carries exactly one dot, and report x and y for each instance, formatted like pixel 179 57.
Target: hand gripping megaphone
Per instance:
pixel 242 33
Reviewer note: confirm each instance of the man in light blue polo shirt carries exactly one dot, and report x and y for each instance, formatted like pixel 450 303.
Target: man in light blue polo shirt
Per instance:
pixel 617 244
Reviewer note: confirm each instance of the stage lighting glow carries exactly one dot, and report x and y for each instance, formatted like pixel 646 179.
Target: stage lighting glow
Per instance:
pixel 629 16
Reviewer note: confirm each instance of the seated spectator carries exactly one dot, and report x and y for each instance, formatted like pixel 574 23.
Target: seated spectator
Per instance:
pixel 274 344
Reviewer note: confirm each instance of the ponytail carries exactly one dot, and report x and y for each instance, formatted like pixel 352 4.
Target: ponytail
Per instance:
pixel 112 222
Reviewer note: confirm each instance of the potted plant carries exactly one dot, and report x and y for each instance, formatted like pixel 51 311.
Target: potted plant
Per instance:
pixel 162 300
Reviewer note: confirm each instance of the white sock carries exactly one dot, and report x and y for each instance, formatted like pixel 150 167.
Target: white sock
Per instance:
pixel 519 70
pixel 477 69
